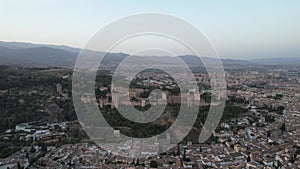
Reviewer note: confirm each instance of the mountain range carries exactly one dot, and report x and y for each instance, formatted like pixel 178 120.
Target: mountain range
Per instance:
pixel 44 55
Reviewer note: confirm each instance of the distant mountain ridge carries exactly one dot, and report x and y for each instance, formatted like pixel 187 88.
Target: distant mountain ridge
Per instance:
pixel 44 55
pixel 277 61
pixel 37 56
pixel 19 45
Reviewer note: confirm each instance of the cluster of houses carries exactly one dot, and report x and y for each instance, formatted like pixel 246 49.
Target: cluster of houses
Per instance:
pixel 34 131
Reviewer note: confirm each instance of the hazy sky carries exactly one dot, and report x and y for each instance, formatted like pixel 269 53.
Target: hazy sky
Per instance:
pixel 238 29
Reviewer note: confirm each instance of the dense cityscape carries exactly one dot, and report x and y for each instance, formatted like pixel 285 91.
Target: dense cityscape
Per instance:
pixel 260 128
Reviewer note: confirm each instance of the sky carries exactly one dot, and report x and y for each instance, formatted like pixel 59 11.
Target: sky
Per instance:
pixel 237 29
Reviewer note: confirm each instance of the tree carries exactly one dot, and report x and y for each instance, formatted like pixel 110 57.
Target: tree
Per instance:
pixel 153 164
pixel 19 166
pixel 280 109
pixel 292 160
pixel 283 127
pixel 137 162
pixel 184 155
pixel 32 149
pixel 44 148
pixel 248 158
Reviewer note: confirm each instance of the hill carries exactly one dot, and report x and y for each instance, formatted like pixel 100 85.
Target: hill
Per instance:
pixel 43 55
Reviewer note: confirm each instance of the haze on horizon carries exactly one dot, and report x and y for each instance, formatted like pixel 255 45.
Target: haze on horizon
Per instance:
pixel 238 29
